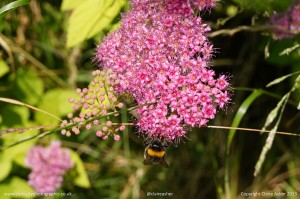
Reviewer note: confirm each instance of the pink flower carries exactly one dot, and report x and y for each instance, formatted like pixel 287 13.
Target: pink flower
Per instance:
pixel 48 165
pixel 161 55
pixel 288 22
pixel 116 137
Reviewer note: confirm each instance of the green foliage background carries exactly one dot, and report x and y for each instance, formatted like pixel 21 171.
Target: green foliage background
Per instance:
pixel 46 50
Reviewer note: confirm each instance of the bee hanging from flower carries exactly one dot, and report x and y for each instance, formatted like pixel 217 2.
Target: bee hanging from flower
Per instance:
pixel 155 153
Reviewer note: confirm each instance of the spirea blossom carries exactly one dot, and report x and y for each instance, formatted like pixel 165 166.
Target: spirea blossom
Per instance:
pixel 288 22
pixel 160 55
pixel 48 165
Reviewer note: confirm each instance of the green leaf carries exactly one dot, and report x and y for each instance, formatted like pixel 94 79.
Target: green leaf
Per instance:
pixel 5 165
pixel 4 68
pixel 11 154
pixel 55 102
pixel 15 187
pixel 82 179
pixel 11 6
pixel 240 114
pixel 19 152
pixel 70 4
pixel 30 86
pixel 90 18
pixel 236 122
pixel 4 188
pixel 14 115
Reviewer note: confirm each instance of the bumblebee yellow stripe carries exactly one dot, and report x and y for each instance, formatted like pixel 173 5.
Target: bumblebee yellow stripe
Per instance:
pixel 153 153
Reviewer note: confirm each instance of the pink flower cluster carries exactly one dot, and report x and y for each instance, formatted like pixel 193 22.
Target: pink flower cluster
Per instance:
pixel 161 55
pixel 48 166
pixel 288 22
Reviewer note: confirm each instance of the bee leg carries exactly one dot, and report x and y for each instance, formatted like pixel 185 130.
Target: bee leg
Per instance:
pixel 147 162
pixel 163 163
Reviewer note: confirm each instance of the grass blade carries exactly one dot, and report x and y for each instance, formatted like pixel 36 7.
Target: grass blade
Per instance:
pixel 270 137
pixel 273 114
pixel 236 121
pixel 280 79
pixel 241 112
pixel 11 6
pixel 12 101
pixel 71 125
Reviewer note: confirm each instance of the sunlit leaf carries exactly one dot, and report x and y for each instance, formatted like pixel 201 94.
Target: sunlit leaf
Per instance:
pixel 16 186
pixel 3 68
pixel 82 179
pixel 5 165
pixel 90 18
pixel 9 155
pixel 71 4
pixel 19 152
pixel 55 102
pixel 12 6
pixel 4 188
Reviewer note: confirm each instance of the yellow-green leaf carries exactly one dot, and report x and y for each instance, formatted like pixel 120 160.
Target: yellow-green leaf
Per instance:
pixel 70 4
pixel 15 187
pixel 5 165
pixel 90 18
pixel 82 179
pixel 55 102
pixel 3 68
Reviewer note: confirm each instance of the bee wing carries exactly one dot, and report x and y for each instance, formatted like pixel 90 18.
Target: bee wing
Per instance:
pixel 163 163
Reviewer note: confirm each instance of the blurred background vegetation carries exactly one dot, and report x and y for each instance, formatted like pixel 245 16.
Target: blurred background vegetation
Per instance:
pixel 46 51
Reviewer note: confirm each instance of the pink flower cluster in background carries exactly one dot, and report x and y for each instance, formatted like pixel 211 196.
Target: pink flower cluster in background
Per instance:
pixel 48 165
pixel 288 22
pixel 161 55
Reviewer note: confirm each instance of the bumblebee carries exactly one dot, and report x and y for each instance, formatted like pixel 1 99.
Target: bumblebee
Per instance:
pixel 155 153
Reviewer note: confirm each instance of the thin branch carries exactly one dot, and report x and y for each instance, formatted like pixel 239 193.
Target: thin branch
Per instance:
pixel 233 31
pixel 252 130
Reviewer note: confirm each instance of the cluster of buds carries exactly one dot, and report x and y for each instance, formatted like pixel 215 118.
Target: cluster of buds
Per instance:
pixel 48 165
pixel 93 106
pixel 288 22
